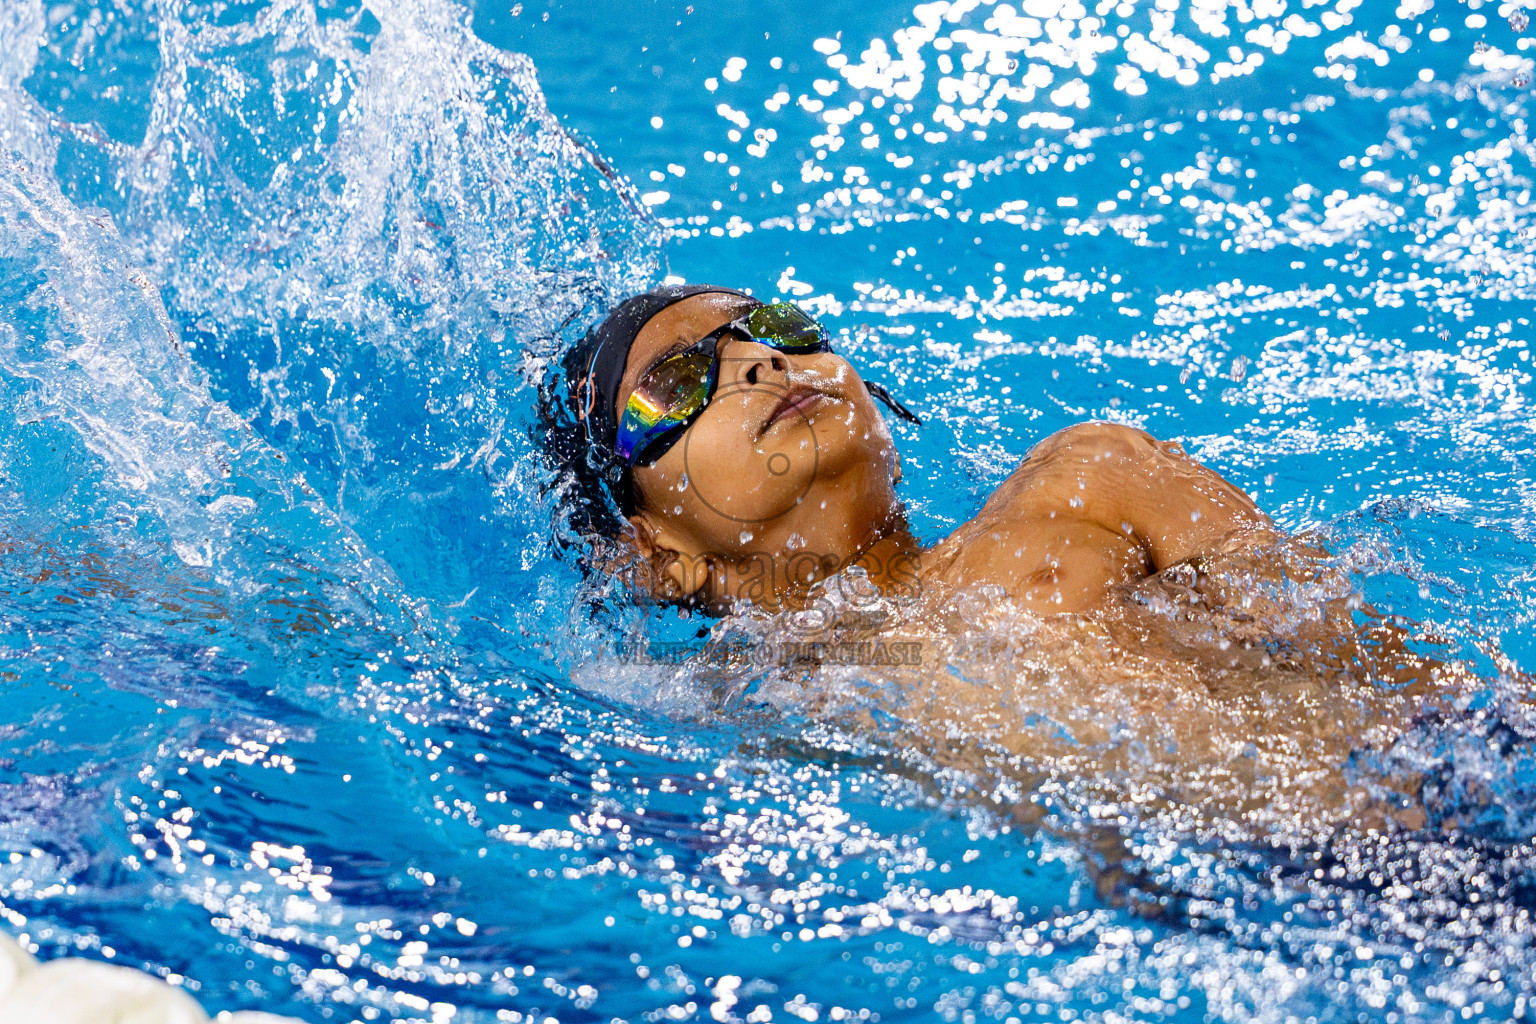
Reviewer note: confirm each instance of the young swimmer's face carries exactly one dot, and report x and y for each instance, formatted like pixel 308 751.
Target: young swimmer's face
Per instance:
pixel 790 459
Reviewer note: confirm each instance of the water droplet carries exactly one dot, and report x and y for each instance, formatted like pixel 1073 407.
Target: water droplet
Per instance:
pixel 746 536
pixel 1518 20
pixel 682 483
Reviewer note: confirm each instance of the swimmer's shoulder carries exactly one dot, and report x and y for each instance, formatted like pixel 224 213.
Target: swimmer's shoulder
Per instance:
pixel 1043 535
pixel 1073 462
pixel 1066 477
pixel 1095 442
pixel 1060 480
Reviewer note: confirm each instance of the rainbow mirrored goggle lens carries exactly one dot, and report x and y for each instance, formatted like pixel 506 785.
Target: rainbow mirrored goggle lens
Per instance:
pixel 784 326
pixel 668 398
pixel 671 394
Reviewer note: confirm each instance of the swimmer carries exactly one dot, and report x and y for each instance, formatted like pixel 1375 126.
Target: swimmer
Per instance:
pixel 725 444
pixel 728 460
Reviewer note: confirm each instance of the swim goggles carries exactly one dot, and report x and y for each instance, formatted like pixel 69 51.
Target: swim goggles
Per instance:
pixel 672 394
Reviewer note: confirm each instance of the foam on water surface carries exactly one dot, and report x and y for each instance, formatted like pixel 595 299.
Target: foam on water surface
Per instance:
pixel 308 714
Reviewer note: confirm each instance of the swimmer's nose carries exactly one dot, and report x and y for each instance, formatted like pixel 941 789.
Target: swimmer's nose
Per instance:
pixel 751 363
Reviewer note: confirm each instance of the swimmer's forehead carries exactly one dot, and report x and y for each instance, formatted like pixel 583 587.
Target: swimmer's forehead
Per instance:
pixel 678 326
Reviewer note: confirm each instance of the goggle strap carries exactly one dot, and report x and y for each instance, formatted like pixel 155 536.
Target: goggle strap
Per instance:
pixel 901 411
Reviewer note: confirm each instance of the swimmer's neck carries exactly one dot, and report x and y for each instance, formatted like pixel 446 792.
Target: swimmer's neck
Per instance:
pixel 893 559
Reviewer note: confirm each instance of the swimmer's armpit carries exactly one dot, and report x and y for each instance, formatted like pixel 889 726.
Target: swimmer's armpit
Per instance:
pixel 1132 483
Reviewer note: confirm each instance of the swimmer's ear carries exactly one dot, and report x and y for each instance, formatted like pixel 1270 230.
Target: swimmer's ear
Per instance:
pixel 670 575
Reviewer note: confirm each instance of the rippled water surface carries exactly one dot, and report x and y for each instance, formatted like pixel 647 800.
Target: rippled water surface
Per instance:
pixel 309 711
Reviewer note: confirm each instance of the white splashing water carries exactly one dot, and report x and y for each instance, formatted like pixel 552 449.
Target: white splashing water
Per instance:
pixel 368 229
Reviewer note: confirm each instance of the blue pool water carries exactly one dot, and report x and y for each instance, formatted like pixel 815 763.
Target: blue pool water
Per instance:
pixel 309 712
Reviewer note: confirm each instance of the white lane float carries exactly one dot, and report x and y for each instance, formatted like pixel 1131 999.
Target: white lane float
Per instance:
pixel 78 991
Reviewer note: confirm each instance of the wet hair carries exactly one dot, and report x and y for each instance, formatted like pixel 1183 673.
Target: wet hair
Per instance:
pixel 582 486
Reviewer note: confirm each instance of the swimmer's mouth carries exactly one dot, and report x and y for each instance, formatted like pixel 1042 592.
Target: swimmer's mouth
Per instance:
pixel 797 401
